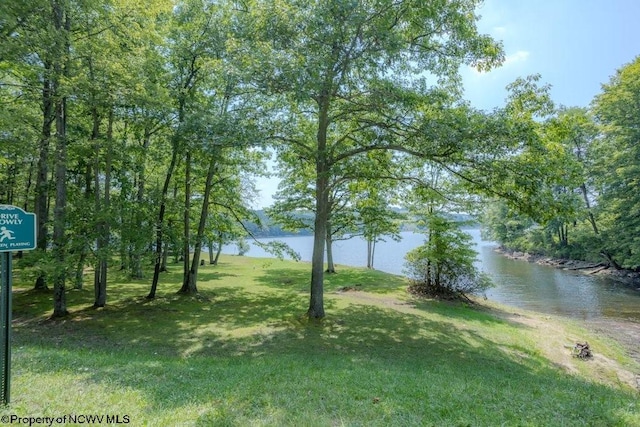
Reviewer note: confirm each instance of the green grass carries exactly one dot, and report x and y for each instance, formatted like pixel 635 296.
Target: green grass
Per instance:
pixel 242 354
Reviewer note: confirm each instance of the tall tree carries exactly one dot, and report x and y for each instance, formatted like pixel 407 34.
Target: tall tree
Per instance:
pixel 62 24
pixel 616 109
pixel 188 48
pixel 30 40
pixel 377 217
pixel 348 62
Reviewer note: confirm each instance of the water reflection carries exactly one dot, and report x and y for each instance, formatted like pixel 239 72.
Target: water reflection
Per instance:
pixel 518 283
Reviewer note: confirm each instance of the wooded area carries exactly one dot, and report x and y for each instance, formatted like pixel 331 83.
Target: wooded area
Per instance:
pixel 134 130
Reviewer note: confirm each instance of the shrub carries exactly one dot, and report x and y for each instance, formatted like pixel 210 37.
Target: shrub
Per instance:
pixel 444 265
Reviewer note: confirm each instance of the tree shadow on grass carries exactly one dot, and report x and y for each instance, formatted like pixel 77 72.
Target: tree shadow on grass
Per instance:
pixel 31 303
pixel 242 353
pixel 347 277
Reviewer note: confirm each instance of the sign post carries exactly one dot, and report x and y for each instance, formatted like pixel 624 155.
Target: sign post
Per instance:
pixel 17 233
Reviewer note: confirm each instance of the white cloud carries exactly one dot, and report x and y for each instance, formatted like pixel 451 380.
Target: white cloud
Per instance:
pixel 519 56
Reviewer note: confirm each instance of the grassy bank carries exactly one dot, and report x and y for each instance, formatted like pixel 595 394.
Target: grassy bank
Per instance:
pixel 241 354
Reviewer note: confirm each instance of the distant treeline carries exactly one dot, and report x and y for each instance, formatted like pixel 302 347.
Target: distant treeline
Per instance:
pixel 268 228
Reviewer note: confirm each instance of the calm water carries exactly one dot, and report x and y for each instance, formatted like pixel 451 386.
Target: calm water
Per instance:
pixel 518 283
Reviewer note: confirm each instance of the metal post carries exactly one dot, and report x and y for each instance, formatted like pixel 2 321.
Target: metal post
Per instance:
pixel 5 327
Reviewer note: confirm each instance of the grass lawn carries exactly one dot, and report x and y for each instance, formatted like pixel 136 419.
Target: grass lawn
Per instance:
pixel 241 354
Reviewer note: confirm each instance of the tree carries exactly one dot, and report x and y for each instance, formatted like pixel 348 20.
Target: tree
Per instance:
pixel 618 152
pixel 376 216
pixel 189 45
pixel 444 265
pixel 576 132
pixel 31 44
pixel 294 207
pixel 342 65
pixel 62 24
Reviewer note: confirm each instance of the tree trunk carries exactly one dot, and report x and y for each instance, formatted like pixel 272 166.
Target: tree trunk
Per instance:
pixel 59 213
pixel 373 252
pixel 175 148
pixel 370 246
pixel 592 220
pixel 161 257
pixel 316 300
pixel 139 243
pixel 612 261
pixel 331 268
pixel 27 190
pixel 210 248
pixel 165 257
pixel 190 282
pixel 218 252
pixel 83 232
pixel 100 282
pixel 79 280
pixel 62 24
pixel 42 188
pixel 220 240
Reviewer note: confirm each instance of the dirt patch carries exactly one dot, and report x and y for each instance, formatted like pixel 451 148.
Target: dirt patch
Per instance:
pixel 557 344
pixel 624 332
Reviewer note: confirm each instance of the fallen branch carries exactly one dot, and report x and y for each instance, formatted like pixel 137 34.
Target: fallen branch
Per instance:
pixel 599 270
pixel 586 267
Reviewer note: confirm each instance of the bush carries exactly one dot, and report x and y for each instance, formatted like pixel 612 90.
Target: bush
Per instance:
pixel 243 246
pixel 444 265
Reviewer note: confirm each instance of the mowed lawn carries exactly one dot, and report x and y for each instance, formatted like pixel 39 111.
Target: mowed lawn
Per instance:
pixel 242 354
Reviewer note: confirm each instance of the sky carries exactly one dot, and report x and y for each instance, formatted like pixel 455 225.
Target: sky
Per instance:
pixel 575 45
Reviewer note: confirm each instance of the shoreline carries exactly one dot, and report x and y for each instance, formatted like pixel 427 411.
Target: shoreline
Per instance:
pixel 628 277
pixel 624 331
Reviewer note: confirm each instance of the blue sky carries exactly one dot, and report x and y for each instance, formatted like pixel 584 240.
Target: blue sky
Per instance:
pixel 575 45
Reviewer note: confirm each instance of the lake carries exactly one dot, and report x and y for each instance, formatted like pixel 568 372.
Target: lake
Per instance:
pixel 517 283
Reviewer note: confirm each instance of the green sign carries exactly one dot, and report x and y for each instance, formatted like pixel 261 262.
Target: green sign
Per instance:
pixel 17 233
pixel 17 229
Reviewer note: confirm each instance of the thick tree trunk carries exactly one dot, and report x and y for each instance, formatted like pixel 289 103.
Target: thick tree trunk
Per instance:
pixel 316 300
